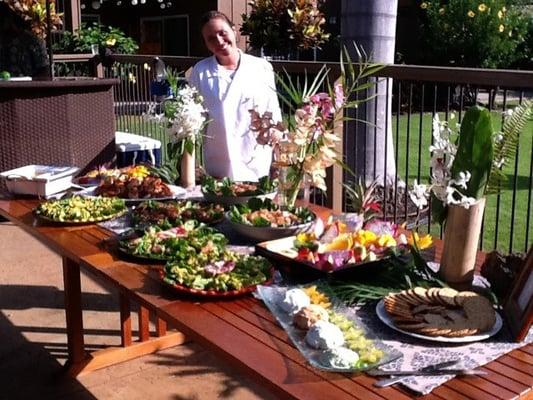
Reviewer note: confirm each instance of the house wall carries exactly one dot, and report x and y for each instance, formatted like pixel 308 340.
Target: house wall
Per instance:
pixel 128 18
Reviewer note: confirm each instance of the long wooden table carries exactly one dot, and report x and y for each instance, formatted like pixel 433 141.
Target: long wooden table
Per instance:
pixel 241 331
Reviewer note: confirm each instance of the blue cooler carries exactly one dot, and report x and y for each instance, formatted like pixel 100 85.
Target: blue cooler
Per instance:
pixel 135 149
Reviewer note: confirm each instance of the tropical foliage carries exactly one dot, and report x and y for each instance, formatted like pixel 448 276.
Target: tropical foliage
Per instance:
pixel 269 21
pixel 34 12
pixel 472 33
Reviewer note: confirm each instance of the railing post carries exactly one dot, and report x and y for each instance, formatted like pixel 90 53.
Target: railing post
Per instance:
pixel 97 69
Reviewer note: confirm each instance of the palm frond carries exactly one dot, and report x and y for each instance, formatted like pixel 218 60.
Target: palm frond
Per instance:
pixel 505 149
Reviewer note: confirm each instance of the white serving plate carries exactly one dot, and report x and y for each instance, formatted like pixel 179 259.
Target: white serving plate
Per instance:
pixel 177 191
pixel 387 320
pixel 39 180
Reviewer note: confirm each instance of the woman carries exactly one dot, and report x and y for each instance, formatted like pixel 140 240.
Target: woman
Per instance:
pixel 232 83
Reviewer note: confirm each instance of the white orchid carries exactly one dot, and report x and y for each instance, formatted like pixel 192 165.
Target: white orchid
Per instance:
pixel 184 115
pixel 461 180
pixel 443 185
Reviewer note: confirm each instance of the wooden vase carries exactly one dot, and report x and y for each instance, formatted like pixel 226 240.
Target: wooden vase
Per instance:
pixel 188 169
pixel 461 238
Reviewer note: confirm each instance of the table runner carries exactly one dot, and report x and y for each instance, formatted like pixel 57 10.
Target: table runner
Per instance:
pixel 418 353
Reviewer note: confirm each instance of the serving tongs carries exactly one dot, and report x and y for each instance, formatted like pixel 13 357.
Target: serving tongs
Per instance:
pixel 431 370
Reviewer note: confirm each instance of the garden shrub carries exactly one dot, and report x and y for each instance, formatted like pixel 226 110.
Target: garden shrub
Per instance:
pixel 473 33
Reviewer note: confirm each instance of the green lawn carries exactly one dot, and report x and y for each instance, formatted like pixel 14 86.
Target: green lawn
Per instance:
pixel 495 217
pixel 408 171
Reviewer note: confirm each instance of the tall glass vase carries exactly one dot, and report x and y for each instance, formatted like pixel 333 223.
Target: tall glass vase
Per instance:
pixel 291 181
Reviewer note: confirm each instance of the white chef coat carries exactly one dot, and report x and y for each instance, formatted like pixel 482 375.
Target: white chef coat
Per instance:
pixel 230 148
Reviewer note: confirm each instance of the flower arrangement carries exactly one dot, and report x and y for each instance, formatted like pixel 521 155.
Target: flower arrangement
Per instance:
pixel 184 117
pixel 305 145
pixel 34 12
pixel 468 165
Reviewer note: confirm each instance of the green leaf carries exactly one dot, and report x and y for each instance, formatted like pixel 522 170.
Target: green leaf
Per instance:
pixel 506 148
pixel 475 150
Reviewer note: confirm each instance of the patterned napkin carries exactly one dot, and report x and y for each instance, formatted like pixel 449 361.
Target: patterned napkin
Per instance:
pixel 418 353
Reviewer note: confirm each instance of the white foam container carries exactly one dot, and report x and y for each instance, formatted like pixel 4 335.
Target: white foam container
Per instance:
pixel 39 180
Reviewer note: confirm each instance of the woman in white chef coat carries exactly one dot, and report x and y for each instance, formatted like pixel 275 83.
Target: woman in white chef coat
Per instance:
pixel 232 83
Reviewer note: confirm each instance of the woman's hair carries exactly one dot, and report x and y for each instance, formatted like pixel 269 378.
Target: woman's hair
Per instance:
pixel 208 16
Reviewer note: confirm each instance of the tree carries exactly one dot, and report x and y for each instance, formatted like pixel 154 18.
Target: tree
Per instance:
pixel 369 148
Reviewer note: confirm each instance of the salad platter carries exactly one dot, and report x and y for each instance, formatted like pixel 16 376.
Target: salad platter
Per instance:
pixel 177 242
pixel 227 192
pixel 214 271
pixel 77 210
pixel 261 220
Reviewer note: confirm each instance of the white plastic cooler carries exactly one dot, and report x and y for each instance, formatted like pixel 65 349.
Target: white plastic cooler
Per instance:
pixel 134 149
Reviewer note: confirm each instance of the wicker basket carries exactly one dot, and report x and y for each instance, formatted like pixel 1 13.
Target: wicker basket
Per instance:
pixel 60 122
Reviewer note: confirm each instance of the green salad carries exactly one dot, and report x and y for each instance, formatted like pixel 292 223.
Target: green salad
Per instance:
pixel 81 209
pixel 227 187
pixel 265 213
pixel 217 269
pixel 178 243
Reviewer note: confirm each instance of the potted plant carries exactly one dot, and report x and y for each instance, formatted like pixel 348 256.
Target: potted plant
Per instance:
pixel 463 172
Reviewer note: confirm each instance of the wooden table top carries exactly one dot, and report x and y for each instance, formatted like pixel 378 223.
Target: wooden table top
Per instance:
pixel 243 331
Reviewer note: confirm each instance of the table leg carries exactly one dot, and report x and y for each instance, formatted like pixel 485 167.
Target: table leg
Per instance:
pixel 125 321
pixel 144 324
pixel 73 311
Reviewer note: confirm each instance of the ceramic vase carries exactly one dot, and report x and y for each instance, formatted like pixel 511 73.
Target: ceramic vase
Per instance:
pixel 188 169
pixel 461 238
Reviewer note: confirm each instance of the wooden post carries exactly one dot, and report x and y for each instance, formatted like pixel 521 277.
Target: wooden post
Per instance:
pixel 72 15
pixel 160 327
pixel 125 321
pixel 144 327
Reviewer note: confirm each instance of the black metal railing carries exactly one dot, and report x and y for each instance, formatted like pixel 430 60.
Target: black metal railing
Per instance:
pixel 415 94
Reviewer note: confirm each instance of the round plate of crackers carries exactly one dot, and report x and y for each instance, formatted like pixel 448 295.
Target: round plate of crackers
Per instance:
pixel 440 314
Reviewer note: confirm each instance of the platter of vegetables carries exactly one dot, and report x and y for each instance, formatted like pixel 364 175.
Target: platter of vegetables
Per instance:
pixel 80 210
pixel 226 191
pixel 174 243
pixel 262 220
pixel 173 213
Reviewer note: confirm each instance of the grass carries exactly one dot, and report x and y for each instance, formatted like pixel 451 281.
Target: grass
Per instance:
pixel 501 211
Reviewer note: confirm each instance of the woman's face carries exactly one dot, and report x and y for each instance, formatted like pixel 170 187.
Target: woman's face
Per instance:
pixel 219 37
